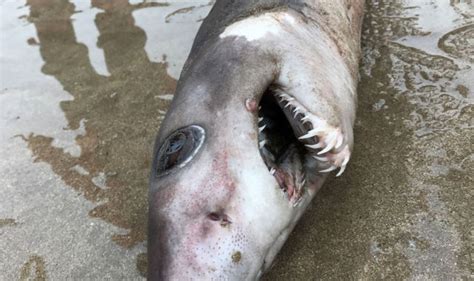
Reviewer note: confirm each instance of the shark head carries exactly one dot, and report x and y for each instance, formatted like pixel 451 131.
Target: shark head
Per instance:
pixel 257 122
pixel 230 177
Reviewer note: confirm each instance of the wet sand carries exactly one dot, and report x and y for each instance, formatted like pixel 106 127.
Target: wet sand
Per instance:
pixel 85 85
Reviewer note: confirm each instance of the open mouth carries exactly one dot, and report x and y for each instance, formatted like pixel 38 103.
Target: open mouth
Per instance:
pixel 291 143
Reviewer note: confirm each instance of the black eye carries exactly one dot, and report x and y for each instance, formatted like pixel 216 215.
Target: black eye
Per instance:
pixel 179 148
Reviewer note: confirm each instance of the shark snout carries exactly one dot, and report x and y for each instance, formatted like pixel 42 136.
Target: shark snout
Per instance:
pixel 204 245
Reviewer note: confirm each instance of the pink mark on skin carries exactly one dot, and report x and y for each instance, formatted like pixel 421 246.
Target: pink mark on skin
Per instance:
pixel 208 208
pixel 251 105
pixel 214 190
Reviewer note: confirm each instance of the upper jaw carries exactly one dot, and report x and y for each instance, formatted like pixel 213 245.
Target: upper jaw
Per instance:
pixel 324 142
pixel 313 146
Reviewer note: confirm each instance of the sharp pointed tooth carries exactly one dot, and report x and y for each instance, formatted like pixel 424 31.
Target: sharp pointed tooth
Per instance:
pixel 303 182
pixel 332 168
pixel 346 160
pixel 297 201
pixel 310 134
pixel 322 159
pixel 340 139
pixel 262 144
pixel 314 146
pixel 330 145
pixel 260 129
pixel 326 149
pixel 272 171
pixel 306 119
pixel 343 167
pixel 288 104
pixel 260 119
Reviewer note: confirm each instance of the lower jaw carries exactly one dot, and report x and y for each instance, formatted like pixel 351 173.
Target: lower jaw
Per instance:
pixel 282 152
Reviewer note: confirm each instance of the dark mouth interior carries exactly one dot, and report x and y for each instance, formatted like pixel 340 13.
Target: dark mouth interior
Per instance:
pixel 277 133
pixel 279 146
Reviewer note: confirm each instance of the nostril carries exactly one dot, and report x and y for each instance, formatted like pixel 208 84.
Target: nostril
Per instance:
pixel 214 216
pixel 223 218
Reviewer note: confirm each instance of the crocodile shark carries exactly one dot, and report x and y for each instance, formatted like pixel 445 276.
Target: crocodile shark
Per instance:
pixel 263 112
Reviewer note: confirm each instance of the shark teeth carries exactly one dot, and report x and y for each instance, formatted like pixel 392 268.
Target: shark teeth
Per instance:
pixel 310 134
pixel 335 160
pixel 325 145
pixel 321 159
pixel 314 146
pixel 330 169
pixel 329 140
pixel 339 141
pixel 343 165
pixel 343 168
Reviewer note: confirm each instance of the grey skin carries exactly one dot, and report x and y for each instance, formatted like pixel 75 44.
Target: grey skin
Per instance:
pixel 227 187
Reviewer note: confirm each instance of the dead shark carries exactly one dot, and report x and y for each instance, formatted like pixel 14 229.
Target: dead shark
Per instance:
pixel 263 111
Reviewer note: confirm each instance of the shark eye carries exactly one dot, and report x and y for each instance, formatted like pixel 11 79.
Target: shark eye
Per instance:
pixel 179 148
